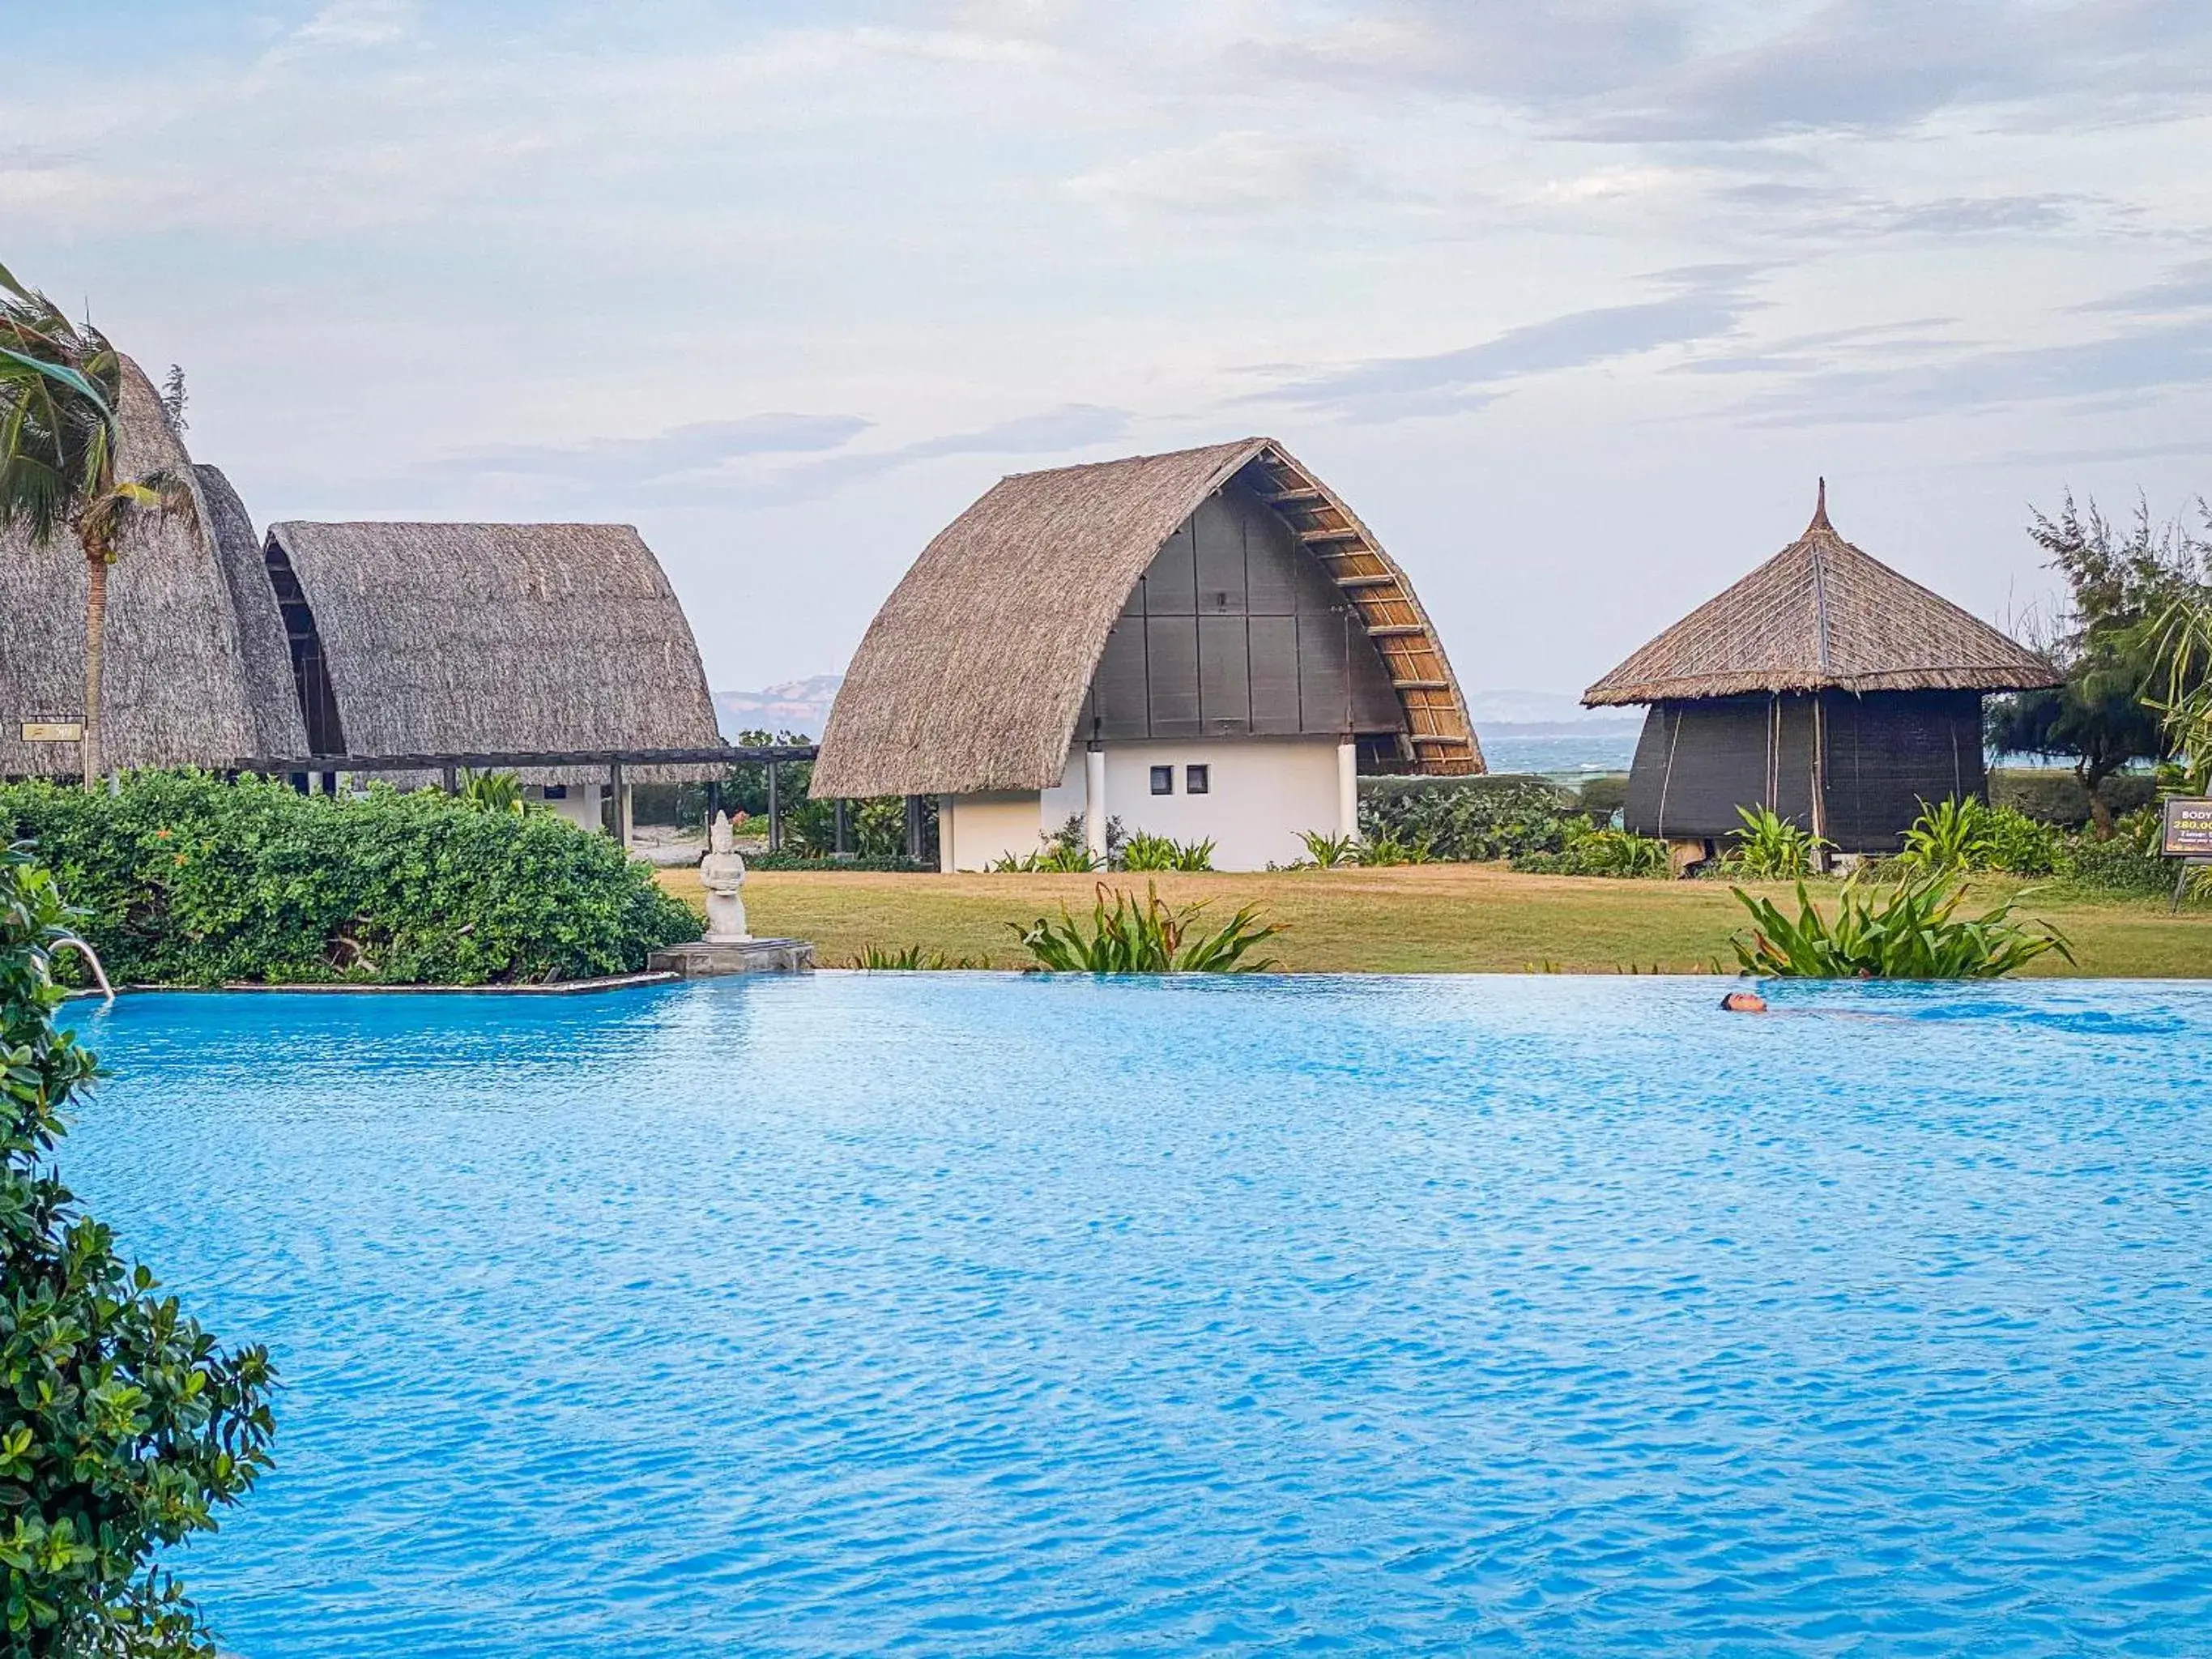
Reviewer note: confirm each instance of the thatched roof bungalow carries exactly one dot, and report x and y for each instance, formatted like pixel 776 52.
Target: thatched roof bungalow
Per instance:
pixel 1823 685
pixel 1204 644
pixel 192 650
pixel 423 639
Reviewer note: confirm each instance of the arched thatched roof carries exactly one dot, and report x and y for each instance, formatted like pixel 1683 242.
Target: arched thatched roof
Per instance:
pixel 264 654
pixel 973 674
pixel 185 654
pixel 1822 614
pixel 489 638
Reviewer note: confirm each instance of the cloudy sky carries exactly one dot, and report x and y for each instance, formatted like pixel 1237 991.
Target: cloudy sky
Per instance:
pixel 1572 301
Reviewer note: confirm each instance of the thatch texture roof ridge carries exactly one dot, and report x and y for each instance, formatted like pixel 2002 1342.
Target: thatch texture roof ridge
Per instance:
pixel 1822 614
pixel 265 654
pixel 476 638
pixel 177 689
pixel 972 675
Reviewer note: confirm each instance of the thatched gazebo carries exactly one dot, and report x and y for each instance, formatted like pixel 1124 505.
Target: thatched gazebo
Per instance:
pixel 195 673
pixel 1823 685
pixel 460 638
pixel 1206 645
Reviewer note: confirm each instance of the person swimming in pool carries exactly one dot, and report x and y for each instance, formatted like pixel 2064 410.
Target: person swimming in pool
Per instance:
pixel 1744 1002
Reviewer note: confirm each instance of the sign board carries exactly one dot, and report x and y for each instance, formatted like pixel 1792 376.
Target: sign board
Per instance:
pixel 2188 829
pixel 53 732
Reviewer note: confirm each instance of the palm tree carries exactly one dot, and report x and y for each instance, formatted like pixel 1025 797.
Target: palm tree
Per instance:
pixel 61 389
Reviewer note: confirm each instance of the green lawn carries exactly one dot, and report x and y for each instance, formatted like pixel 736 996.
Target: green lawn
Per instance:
pixel 1425 919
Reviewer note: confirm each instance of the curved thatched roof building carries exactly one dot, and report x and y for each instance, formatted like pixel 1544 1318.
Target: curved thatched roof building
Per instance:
pixel 1823 685
pixel 265 654
pixel 1821 615
pixel 486 638
pixel 188 648
pixel 992 656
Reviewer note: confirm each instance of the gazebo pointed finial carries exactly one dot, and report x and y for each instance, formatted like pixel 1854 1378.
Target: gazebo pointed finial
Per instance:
pixel 1820 512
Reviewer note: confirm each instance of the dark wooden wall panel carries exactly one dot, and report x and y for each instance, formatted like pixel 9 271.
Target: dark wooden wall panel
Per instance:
pixel 1225 673
pixel 1117 687
pixel 1172 657
pixel 1274 661
pixel 1235 628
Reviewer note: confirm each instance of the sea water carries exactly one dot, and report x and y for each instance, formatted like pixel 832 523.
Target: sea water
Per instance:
pixel 973 1313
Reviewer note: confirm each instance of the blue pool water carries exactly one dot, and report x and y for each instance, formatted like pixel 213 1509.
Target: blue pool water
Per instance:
pixel 975 1314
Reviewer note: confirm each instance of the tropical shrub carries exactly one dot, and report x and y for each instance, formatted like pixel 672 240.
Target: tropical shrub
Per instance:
pixel 1945 838
pixel 1600 797
pixel 1387 849
pixel 1587 850
pixel 1056 858
pixel 1144 852
pixel 1769 847
pixel 1910 930
pixel 124 1428
pixel 894 864
pixel 2053 796
pixel 1149 937
pixel 2117 866
pixel 493 792
pixel 913 958
pixel 1468 819
pixel 193 881
pixel 1326 852
pixel 2017 844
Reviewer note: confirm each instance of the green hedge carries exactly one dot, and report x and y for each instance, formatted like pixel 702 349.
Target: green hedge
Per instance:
pixel 1501 816
pixel 2057 797
pixel 194 881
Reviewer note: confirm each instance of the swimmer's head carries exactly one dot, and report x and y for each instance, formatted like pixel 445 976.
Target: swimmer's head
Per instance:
pixel 1744 1002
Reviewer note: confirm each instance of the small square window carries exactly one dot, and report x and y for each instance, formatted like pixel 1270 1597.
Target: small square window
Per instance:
pixel 1164 780
pixel 557 792
pixel 1194 779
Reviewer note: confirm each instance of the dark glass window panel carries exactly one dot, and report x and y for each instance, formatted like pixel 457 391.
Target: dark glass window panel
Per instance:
pixel 1195 779
pixel 1164 780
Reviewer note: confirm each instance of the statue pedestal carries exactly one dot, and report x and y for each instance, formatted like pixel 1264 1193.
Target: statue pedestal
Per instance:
pixel 709 959
pixel 728 948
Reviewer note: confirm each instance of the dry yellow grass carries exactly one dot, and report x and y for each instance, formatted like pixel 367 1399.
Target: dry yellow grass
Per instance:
pixel 1437 918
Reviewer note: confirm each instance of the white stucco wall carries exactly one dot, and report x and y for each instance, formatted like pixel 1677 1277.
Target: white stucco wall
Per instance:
pixel 974 831
pixel 579 807
pixel 1263 794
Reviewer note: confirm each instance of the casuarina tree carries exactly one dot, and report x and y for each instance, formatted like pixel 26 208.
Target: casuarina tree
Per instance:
pixel 2119 584
pixel 61 387
pixel 124 1427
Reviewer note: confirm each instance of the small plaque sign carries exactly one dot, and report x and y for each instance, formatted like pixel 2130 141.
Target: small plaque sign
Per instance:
pixel 2188 829
pixel 53 732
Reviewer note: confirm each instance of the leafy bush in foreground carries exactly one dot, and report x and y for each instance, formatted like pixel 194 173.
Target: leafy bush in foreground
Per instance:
pixel 1151 938
pixel 193 881
pixel 1909 931
pixel 123 1426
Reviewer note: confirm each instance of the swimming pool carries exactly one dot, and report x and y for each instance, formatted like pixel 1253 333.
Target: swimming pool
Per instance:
pixel 970 1314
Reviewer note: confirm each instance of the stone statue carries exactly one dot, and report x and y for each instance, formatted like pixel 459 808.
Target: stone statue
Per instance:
pixel 722 873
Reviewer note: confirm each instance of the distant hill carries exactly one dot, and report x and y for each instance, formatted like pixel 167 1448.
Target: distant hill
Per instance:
pixel 804 706
pixel 801 706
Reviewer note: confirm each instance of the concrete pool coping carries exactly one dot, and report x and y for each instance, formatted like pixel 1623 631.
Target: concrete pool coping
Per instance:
pixel 563 987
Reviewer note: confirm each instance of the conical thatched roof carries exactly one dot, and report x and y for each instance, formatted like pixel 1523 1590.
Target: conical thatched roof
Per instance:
pixel 1822 614
pixel 972 675
pixel 179 689
pixel 493 638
